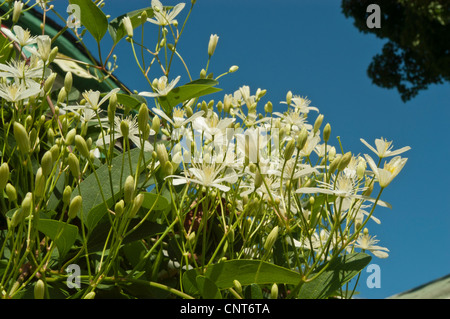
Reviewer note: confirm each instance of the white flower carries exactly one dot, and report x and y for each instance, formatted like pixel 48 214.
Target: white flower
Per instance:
pixel 133 133
pixel 384 148
pixel 213 39
pixel 390 170
pixel 212 126
pixel 162 17
pixel 367 242
pixel 21 69
pixel 208 175
pixel 21 36
pixel 178 117
pixel 92 98
pixel 14 92
pixel 295 119
pixel 44 43
pixel 301 104
pixel 161 87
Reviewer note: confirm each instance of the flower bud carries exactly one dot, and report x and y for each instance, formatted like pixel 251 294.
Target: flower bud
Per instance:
pixel 18 5
pixel 67 194
pixel 213 39
pixel 168 168
pixel 289 98
pixel 62 95
pixel 52 56
pixel 55 150
pixel 17 217
pixel 90 295
pixel 237 285
pixel 68 80
pixel 124 129
pixel 289 150
pixel 70 137
pixel 11 192
pixel 112 107
pixel 318 123
pixel 144 16
pixel 327 132
pixel 4 176
pixel 302 138
pixel 156 122
pixel 128 190
pixel 126 21
pixel 163 157
pixel 137 203
pixel 268 108
pixel 47 163
pixel 75 206
pixel 118 208
pixel 39 289
pixel 258 179
pixel 22 138
pixel 48 85
pixel 334 164
pixel 39 187
pixel 143 117
pixel 81 145
pixel 361 169
pixel 274 291
pixel 74 165
pixel 271 238
pixel 345 160
pixel 233 69
pixel 27 203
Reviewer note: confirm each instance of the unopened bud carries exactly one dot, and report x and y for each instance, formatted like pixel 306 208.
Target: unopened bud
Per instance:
pixel 47 163
pixel 39 289
pixel 70 136
pixel 302 138
pixel 48 85
pixel 128 26
pixel 112 107
pixel 74 165
pixel 124 129
pixel 334 164
pixel 318 123
pixel 4 176
pixel 163 156
pixel 258 179
pixel 137 203
pixel 22 139
pixel 289 150
pixel 213 39
pixel 289 98
pixel 156 122
pixel 62 95
pixel 90 295
pixel 345 160
pixel 268 108
pixel 67 194
pixel 81 145
pixel 118 208
pixel 17 217
pixel 11 192
pixel 233 68
pixel 237 285
pixel 143 117
pixel 52 56
pixel 39 186
pixel 128 190
pixel 68 80
pixel 168 168
pixel 75 206
pixel 327 132
pixel 361 169
pixel 274 291
pixel 271 238
pixel 18 5
pixel 27 203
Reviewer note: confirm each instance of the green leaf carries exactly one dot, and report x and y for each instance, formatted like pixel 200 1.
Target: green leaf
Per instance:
pixel 116 28
pixel 154 201
pixel 207 288
pixel 247 272
pixel 63 234
pixel 186 92
pixel 253 292
pixel 338 273
pixel 92 17
pixel 93 207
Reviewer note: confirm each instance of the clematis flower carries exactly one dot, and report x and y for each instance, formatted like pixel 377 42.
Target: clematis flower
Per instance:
pixel 21 36
pixel 390 170
pixel 15 92
pixel 208 175
pixel 163 17
pixel 367 242
pixel 161 87
pixel 384 148
pixel 44 43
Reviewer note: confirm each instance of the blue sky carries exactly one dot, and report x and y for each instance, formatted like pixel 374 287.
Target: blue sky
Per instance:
pixel 310 48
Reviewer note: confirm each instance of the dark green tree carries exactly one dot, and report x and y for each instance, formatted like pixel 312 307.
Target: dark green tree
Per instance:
pixel 417 53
